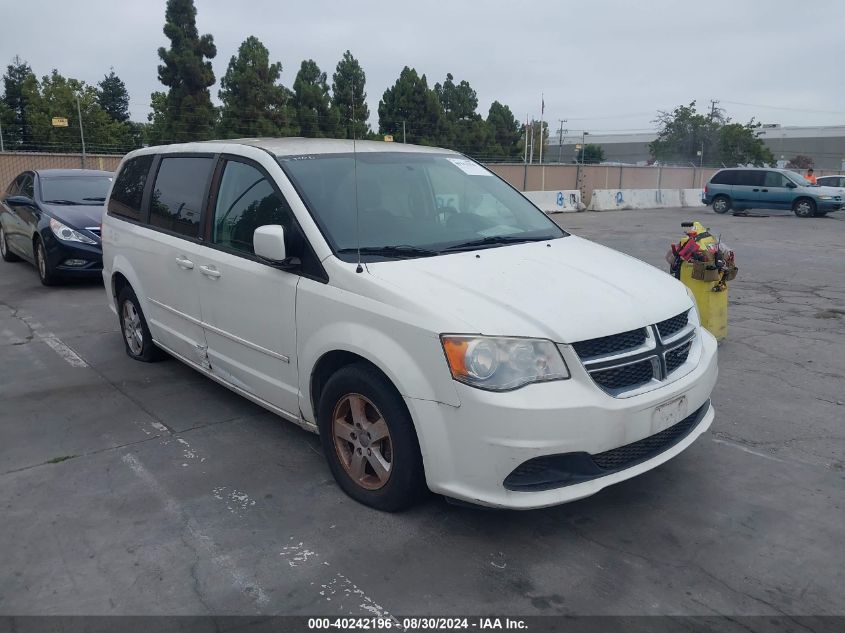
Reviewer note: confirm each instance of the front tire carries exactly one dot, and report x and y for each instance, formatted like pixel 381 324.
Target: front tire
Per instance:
pixel 721 204
pixel 804 208
pixel 42 265
pixel 136 335
pixel 8 256
pixel 369 440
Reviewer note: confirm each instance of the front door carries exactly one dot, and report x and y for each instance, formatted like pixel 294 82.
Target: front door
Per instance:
pixel 746 190
pixel 248 306
pixel 774 193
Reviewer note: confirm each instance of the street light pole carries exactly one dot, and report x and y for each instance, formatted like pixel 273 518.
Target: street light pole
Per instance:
pixel 81 132
pixel 560 141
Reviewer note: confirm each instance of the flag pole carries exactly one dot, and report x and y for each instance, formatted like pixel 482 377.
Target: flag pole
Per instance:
pixel 542 167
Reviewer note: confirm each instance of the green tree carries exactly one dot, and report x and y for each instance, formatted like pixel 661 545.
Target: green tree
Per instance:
pixel 590 154
pixel 19 83
pixel 412 102
pixel 312 103
pixel 254 103
pixel 186 71
pixel 740 145
pixel 506 132
pixel 58 96
pixel 113 97
pixel 348 96
pixel 683 133
pixel 462 127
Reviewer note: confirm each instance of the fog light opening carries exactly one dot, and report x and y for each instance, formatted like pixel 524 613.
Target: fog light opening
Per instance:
pixel 75 262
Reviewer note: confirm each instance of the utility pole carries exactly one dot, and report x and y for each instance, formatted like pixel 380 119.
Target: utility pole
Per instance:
pixel 81 132
pixel 404 138
pixel 560 141
pixel 1 136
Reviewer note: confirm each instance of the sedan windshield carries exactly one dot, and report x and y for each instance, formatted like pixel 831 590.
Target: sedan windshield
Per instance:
pixel 75 190
pixel 412 204
pixel 798 179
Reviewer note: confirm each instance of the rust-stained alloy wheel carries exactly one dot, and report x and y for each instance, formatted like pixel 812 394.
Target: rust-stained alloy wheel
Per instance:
pixel 362 441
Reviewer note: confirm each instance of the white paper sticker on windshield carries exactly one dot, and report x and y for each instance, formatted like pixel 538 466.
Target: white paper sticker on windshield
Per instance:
pixel 469 167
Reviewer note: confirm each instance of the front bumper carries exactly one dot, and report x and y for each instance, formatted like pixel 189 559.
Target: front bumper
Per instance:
pixel 59 252
pixel 469 451
pixel 829 205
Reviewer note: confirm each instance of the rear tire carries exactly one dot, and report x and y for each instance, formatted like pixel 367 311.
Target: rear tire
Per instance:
pixel 136 335
pixel 721 204
pixel 804 208
pixel 369 439
pixel 8 256
pixel 42 265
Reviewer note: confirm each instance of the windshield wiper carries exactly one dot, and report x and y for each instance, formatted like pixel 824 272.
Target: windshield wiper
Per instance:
pixel 400 250
pixel 100 199
pixel 493 239
pixel 74 202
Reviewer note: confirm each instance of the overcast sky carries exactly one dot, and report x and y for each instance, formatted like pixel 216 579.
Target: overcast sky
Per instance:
pixel 602 65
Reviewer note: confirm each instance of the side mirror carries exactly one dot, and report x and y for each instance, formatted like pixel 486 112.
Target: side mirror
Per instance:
pixel 20 201
pixel 268 241
pixel 791 185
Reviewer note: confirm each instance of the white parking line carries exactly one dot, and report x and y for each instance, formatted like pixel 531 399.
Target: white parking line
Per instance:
pixel 745 449
pixel 241 579
pixel 72 358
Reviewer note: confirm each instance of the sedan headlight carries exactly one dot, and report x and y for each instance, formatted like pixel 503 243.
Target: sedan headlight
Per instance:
pixel 825 197
pixel 497 363
pixel 67 234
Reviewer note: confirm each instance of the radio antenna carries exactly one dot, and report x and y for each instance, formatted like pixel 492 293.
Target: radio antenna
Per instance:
pixel 359 268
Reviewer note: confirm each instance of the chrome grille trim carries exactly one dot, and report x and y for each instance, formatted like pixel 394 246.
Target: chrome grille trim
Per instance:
pixel 655 349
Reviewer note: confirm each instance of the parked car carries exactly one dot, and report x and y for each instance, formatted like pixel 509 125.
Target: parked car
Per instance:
pixel 51 218
pixel 755 188
pixel 831 181
pixel 432 325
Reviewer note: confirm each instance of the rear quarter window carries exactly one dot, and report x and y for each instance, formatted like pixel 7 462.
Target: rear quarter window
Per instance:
pixel 178 196
pixel 726 177
pixel 128 190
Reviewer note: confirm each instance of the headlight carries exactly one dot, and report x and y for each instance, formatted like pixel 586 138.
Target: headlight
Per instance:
pixel 695 317
pixel 67 234
pixel 496 363
pixel 825 197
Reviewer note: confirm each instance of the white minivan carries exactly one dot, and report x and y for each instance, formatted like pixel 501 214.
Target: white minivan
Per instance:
pixel 435 327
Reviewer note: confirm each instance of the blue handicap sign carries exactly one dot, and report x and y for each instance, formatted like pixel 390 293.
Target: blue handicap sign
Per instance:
pixel 618 197
pixel 560 198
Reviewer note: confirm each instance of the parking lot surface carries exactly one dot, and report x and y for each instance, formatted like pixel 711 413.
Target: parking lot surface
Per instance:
pixel 131 488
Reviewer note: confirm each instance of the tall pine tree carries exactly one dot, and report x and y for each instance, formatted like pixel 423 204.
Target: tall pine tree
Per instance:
pixel 412 102
pixel 189 114
pixel 506 131
pixel 349 99
pixel 254 103
pixel 311 99
pixel 19 84
pixel 113 97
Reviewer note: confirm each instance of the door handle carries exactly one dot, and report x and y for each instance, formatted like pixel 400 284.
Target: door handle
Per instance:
pixel 764 190
pixel 184 262
pixel 755 190
pixel 210 271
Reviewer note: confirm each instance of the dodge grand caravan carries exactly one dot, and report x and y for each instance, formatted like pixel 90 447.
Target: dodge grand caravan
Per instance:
pixel 432 325
pixel 741 189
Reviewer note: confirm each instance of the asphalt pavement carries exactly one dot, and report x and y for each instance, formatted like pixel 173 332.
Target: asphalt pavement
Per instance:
pixel 131 488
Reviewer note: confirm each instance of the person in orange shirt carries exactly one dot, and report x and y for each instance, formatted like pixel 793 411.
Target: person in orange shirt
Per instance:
pixel 810 176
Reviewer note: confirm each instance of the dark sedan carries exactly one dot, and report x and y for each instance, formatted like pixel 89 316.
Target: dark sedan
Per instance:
pixel 51 218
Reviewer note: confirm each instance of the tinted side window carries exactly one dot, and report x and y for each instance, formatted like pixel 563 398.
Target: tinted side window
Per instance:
pixel 128 190
pixel 725 177
pixel 178 194
pixel 27 187
pixel 246 200
pixel 750 177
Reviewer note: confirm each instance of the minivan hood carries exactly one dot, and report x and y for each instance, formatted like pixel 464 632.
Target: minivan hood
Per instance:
pixel 567 290
pixel 77 216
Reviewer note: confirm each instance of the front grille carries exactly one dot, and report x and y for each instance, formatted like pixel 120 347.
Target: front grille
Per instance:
pixel 626 376
pixel 612 344
pixel 677 357
pixel 646 448
pixel 670 326
pixel 93 229
pixel 556 471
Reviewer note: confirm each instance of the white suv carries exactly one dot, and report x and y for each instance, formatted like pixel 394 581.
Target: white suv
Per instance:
pixel 426 319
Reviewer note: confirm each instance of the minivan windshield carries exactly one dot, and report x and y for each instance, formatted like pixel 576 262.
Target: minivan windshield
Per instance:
pixel 412 204
pixel 798 179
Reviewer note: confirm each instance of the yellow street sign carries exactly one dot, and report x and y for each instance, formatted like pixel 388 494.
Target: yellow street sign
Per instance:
pixel 388 138
pixel 59 121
